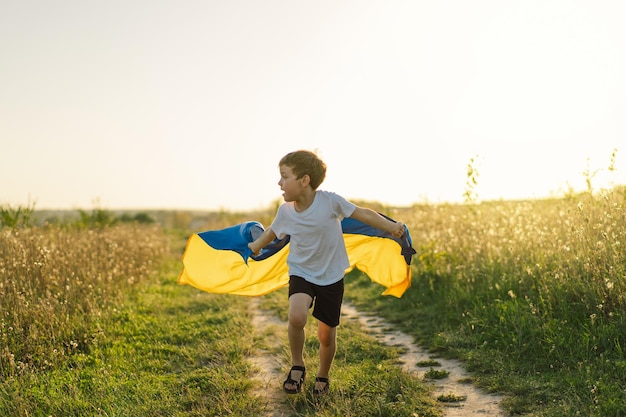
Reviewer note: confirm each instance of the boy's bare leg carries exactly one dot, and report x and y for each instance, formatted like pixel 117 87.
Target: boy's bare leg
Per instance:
pixel 298 311
pixel 328 345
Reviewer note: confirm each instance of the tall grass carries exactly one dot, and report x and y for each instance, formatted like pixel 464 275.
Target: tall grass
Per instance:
pixel 89 329
pixel 531 294
pixel 20 216
pixel 56 281
pixel 533 290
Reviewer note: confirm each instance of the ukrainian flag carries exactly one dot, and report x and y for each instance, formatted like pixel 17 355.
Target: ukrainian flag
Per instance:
pixel 219 261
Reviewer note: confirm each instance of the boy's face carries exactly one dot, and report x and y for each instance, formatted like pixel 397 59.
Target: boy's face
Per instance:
pixel 290 185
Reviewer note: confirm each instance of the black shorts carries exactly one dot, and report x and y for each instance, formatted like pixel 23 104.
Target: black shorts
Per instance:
pixel 327 298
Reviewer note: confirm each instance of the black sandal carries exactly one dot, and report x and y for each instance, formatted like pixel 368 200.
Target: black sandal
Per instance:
pixel 323 390
pixel 291 381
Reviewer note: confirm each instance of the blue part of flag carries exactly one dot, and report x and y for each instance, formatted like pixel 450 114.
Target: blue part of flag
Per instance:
pixel 236 238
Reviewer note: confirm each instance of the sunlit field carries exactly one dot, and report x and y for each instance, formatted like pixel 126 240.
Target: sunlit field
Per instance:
pixel 530 294
pixel 94 324
pixel 55 282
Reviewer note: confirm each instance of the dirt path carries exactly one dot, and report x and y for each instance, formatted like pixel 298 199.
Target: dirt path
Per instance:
pixel 475 401
pixel 270 369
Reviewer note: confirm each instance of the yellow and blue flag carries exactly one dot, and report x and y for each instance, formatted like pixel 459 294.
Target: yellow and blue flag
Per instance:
pixel 219 261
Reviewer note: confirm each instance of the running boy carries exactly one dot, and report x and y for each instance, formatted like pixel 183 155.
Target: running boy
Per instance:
pixel 317 258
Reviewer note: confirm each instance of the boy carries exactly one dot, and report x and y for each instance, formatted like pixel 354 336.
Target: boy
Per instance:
pixel 317 258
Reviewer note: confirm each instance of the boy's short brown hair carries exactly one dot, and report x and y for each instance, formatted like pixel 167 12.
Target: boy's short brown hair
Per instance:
pixel 306 163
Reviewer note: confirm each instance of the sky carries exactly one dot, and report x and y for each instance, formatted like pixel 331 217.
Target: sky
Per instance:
pixel 191 104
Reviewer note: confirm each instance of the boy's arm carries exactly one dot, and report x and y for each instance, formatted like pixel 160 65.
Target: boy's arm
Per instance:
pixel 262 241
pixel 372 218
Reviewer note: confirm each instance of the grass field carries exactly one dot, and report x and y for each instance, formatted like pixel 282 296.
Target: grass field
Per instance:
pixel 147 346
pixel 530 294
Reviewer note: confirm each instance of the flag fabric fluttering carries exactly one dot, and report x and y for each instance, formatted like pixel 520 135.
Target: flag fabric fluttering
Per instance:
pixel 219 261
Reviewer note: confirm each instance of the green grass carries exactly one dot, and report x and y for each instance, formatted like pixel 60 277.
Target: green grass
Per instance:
pixel 365 379
pixel 156 348
pixel 55 282
pixel 162 353
pixel 436 374
pixel 451 398
pixel 530 295
pixel 428 363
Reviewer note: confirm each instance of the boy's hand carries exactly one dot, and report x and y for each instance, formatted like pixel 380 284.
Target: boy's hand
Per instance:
pixel 253 248
pixel 265 239
pixel 398 230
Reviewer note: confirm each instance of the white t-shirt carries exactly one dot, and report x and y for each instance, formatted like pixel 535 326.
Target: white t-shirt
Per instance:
pixel 317 251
